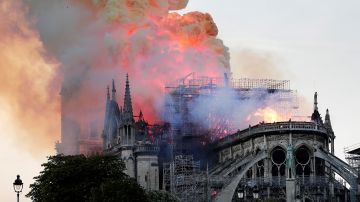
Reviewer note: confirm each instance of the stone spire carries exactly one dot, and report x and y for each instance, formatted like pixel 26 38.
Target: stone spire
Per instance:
pixel 315 102
pixel 141 116
pixel 327 120
pixel 107 103
pixel 328 127
pixel 108 93
pixel 327 117
pixel 316 117
pixel 128 111
pixel 113 97
pixel 106 119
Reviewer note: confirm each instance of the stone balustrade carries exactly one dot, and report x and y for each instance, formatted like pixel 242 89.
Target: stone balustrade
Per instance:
pixel 267 128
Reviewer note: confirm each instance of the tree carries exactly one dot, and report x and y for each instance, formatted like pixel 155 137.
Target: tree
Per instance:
pixel 160 196
pixel 117 191
pixel 80 178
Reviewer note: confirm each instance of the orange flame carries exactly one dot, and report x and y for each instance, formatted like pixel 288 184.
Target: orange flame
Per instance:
pixel 268 115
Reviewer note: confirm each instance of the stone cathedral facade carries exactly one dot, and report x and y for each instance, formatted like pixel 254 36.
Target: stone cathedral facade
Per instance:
pixel 292 161
pixel 129 139
pixel 289 161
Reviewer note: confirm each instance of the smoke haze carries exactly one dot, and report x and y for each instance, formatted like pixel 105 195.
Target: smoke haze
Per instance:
pixel 226 110
pixel 29 80
pixel 96 41
pixel 256 64
pixel 82 45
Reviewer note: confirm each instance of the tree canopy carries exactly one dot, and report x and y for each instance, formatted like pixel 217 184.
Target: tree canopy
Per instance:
pixel 80 178
pixel 160 196
pixel 97 178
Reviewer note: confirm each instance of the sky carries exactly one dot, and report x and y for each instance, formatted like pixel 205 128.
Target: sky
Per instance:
pixel 314 44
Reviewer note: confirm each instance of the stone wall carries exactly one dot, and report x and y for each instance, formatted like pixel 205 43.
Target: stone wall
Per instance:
pixel 148 171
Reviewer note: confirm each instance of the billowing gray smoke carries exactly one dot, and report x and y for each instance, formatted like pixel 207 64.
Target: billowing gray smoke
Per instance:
pixel 225 109
pixel 96 41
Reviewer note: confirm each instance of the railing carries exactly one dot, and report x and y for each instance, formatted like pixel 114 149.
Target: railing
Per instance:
pixel 147 149
pixel 309 186
pixel 242 83
pixel 278 182
pixel 271 127
pixel 263 182
pixel 318 181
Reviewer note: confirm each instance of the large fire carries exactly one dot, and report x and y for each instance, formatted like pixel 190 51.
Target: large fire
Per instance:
pixel 224 126
pixel 93 42
pixel 268 115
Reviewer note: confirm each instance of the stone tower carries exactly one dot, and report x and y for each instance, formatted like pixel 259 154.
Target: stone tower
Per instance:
pixel 129 139
pixel 127 132
pixel 112 120
pixel 147 162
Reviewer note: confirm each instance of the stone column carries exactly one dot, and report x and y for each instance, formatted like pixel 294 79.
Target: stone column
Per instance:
pixel 331 188
pixel 254 171
pixel 290 189
pixel 266 168
pixel 346 195
pixel 290 173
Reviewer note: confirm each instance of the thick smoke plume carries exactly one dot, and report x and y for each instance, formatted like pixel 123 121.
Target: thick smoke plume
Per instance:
pixel 93 42
pixel 96 41
pixel 28 75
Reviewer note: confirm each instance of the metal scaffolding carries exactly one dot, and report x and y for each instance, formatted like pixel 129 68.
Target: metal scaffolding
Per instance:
pixel 243 83
pixel 352 155
pixel 184 91
pixel 183 178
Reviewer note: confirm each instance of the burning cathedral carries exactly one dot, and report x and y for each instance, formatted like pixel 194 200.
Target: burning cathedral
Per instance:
pixel 205 137
pixel 224 160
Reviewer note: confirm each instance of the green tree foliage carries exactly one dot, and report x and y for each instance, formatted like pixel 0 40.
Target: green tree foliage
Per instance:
pixel 84 179
pixel 117 191
pixel 160 196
